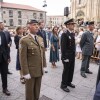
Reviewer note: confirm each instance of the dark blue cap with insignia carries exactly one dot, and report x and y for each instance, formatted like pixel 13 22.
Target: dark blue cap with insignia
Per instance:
pixel 69 21
pixel 32 21
pixel 89 22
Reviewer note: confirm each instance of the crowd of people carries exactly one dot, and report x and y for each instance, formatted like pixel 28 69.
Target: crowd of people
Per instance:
pixel 32 41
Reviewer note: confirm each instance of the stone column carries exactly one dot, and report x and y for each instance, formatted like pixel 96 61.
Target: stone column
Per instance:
pixel 98 14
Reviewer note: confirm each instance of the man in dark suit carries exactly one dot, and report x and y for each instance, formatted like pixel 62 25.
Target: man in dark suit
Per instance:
pixel 87 45
pixel 4 57
pixel 68 55
pixel 42 34
pixel 9 42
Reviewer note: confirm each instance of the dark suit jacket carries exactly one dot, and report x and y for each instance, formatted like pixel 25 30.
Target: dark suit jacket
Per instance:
pixel 87 43
pixel 16 40
pixel 4 52
pixel 67 45
pixel 42 33
pixel 8 38
pixel 97 93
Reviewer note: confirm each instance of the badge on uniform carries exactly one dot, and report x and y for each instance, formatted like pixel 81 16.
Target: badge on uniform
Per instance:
pixel 69 37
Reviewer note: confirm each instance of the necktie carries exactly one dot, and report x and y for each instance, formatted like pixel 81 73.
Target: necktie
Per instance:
pixel 36 40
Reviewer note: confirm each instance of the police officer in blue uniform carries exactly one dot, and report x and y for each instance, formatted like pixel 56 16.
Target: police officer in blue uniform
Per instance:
pixel 68 55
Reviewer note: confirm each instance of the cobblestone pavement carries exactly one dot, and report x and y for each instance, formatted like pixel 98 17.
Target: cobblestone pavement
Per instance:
pixel 84 90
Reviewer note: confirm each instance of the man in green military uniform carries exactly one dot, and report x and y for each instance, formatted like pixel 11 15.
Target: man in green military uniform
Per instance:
pixel 32 61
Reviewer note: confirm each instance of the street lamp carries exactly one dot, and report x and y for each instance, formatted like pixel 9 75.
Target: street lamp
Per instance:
pixel 45 4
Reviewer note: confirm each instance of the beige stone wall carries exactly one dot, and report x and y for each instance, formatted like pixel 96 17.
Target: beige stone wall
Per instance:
pixel 91 9
pixel 55 20
pixel 26 15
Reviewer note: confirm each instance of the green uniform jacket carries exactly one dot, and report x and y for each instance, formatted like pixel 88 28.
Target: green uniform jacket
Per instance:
pixel 32 56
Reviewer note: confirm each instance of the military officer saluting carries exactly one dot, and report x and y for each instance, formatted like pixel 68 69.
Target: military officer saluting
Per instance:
pixel 32 61
pixel 68 55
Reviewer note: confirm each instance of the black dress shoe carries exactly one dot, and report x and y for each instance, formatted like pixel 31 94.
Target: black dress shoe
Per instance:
pixel 71 85
pixel 83 75
pixel 9 72
pixel 65 89
pixel 6 92
pixel 89 72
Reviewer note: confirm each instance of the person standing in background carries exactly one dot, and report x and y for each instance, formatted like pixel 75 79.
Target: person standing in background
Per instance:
pixel 49 33
pixel 54 50
pixel 97 45
pixel 9 42
pixel 18 36
pixel 78 48
pixel 4 59
pixel 42 34
pixel 87 46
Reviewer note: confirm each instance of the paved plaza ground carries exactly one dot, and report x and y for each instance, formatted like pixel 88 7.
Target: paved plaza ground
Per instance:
pixel 84 90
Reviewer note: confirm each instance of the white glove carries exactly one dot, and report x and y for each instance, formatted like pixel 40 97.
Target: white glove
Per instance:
pixel 67 60
pixel 27 76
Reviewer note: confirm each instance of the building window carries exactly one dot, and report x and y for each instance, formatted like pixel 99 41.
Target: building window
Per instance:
pixel 19 14
pixel 11 22
pixel 19 22
pixel 41 16
pixel 4 21
pixel 4 12
pixel 10 13
pixel 34 15
pixel 79 1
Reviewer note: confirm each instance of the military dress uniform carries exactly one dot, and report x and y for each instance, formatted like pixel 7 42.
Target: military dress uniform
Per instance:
pixel 68 56
pixel 87 46
pixel 32 61
pixel 68 53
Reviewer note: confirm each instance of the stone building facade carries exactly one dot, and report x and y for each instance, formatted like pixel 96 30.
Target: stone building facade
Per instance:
pixel 85 10
pixel 55 20
pixel 15 14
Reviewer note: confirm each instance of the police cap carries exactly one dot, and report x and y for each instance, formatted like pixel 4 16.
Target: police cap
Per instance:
pixel 32 21
pixel 69 21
